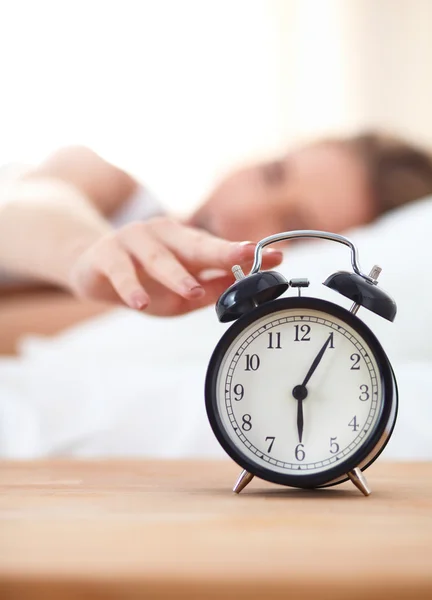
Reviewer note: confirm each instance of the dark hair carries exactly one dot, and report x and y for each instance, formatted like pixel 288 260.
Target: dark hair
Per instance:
pixel 399 172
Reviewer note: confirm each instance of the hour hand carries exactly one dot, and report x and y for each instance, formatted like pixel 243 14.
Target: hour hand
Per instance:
pixel 300 393
pixel 300 421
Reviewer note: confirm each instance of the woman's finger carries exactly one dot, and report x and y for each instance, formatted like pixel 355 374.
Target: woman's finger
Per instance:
pixel 159 262
pixel 203 250
pixel 213 289
pixel 118 267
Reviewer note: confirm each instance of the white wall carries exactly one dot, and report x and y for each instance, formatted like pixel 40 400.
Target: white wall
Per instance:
pixel 177 91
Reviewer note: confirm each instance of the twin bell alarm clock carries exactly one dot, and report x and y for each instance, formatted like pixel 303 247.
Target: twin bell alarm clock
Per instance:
pixel 299 391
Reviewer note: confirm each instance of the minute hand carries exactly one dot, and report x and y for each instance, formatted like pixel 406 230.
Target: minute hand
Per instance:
pixel 316 362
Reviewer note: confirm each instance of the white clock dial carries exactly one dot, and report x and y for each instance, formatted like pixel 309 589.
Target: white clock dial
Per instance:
pixel 268 421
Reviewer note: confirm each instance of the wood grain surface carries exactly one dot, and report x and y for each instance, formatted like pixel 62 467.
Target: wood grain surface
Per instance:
pixel 132 529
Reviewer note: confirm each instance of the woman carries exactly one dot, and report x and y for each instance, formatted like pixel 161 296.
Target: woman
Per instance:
pixel 55 225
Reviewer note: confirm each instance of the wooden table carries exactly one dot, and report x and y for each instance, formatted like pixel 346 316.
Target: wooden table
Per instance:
pixel 98 530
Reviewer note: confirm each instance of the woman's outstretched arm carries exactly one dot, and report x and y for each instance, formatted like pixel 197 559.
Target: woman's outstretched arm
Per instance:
pixel 49 229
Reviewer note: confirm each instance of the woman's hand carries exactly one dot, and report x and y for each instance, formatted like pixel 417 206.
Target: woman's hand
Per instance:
pixel 158 265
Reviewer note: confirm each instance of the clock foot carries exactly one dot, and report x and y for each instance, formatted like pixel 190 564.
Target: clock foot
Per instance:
pixel 359 480
pixel 242 481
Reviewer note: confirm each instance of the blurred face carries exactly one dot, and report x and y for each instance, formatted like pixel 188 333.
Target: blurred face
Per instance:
pixel 321 186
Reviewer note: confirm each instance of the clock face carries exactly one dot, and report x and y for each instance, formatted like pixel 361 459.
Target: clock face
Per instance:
pixel 297 391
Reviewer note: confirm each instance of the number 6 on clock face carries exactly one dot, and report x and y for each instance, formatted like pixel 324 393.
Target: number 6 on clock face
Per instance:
pixel 300 392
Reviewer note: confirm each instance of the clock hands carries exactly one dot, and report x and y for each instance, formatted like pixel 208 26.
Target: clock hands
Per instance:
pixel 300 391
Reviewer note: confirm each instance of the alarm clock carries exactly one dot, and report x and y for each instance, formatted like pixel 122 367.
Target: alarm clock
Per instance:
pixel 299 391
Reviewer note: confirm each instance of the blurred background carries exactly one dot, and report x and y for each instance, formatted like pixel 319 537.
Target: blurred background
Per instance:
pixel 179 92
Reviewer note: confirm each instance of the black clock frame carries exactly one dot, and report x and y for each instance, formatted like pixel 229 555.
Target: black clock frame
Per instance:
pixel 389 405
